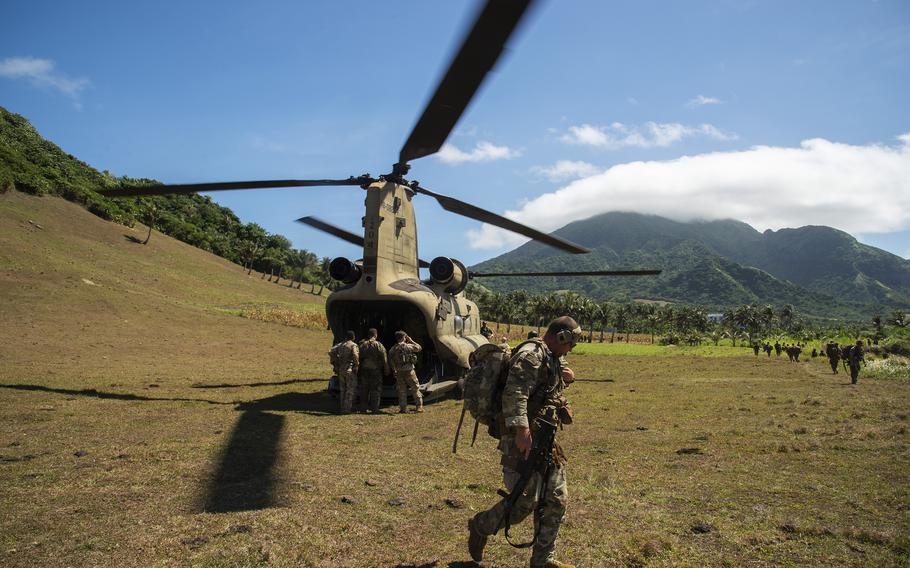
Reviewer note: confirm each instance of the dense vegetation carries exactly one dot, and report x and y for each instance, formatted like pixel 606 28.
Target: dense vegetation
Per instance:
pixel 34 165
pixel 681 324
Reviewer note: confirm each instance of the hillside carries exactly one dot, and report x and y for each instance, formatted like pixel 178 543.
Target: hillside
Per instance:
pixel 37 166
pixel 820 270
pixel 82 288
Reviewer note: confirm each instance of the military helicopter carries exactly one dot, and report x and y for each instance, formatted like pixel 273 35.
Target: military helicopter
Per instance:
pixel 383 289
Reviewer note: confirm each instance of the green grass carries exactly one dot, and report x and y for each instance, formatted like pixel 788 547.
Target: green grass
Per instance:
pixel 647 350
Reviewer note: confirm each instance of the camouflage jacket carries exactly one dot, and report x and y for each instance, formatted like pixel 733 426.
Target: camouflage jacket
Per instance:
pixel 373 356
pixel 402 356
pixel 534 384
pixel 345 356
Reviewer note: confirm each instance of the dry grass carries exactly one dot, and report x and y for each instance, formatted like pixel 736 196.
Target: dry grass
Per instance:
pixel 140 424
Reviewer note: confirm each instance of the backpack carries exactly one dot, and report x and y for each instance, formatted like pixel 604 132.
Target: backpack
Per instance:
pixel 484 382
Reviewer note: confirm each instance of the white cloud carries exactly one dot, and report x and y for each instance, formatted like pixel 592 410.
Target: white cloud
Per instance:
pixel 41 73
pixel 650 135
pixel 858 189
pixel 702 100
pixel 482 152
pixel 566 169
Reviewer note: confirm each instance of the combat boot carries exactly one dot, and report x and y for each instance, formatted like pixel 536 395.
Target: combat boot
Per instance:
pixel 476 541
pixel 556 564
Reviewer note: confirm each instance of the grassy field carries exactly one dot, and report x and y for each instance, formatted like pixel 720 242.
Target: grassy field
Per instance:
pixel 142 422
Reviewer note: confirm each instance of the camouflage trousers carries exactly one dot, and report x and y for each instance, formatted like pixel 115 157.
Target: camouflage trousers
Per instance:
pixel 407 381
pixel 370 388
pixel 548 519
pixel 854 372
pixel 833 361
pixel 347 382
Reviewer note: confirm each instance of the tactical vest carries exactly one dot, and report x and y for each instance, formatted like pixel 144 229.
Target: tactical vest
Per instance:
pixel 403 357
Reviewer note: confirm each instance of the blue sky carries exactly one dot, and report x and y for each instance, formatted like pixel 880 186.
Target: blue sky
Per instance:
pixel 780 114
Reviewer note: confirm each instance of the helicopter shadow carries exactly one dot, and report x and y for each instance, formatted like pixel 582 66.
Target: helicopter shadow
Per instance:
pixel 245 477
pixel 134 239
pixel 260 384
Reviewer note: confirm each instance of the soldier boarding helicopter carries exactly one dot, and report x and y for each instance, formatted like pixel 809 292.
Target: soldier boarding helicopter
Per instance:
pixel 383 289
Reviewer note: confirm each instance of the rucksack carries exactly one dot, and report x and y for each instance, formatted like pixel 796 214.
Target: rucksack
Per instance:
pixel 484 383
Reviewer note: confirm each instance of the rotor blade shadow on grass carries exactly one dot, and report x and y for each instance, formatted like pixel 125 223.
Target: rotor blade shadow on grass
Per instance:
pixel 319 403
pixel 245 479
pixel 263 384
pixel 110 395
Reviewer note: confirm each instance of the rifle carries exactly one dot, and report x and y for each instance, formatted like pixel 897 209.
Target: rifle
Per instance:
pixel 539 460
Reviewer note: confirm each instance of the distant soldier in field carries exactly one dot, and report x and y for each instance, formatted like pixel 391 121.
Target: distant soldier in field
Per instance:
pixel 777 348
pixel 345 358
pixel 504 345
pixel 373 366
pixel 797 350
pixel 768 349
pixel 485 330
pixel 854 358
pixel 833 353
pixel 755 348
pixel 402 358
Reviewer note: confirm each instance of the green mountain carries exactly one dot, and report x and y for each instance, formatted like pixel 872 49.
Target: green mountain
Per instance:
pixel 716 264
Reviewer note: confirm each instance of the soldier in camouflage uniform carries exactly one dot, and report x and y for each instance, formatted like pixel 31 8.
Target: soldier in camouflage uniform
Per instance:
pixel 853 360
pixel 373 366
pixel 345 357
pixel 535 383
pixel 833 353
pixel 402 357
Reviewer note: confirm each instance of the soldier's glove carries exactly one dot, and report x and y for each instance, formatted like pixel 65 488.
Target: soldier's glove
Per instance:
pixel 564 413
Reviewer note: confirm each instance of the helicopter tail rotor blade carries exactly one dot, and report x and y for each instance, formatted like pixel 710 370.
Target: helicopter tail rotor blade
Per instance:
pixel 474 212
pixel 480 50
pixel 184 188
pixel 581 273
pixel 342 234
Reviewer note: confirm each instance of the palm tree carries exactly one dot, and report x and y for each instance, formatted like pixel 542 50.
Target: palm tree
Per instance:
pixel 148 218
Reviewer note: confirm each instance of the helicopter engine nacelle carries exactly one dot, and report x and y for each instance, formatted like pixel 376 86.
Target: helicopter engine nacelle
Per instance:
pixel 344 270
pixel 450 273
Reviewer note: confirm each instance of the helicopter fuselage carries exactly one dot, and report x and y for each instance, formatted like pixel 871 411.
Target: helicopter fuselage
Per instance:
pixel 388 294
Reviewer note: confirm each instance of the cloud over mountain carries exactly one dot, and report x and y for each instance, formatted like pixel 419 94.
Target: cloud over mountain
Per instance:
pixel 858 189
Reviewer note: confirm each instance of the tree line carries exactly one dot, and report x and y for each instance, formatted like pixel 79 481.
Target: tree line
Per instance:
pixel 668 323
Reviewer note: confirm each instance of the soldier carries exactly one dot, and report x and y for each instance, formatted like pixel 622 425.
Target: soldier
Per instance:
pixel 777 348
pixel 485 331
pixel 768 349
pixel 345 358
pixel 402 357
pixel 373 366
pixel 755 348
pixel 504 345
pixel 797 350
pixel 535 384
pixel 853 359
pixel 833 354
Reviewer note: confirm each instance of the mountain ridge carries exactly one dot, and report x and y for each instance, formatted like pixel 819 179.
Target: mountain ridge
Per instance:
pixel 716 264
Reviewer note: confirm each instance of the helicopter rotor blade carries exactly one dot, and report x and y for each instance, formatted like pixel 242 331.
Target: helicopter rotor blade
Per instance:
pixel 581 273
pixel 479 51
pixel 342 234
pixel 184 188
pixel 476 213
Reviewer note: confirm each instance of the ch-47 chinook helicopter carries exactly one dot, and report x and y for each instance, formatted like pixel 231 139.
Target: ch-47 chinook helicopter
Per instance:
pixel 383 289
